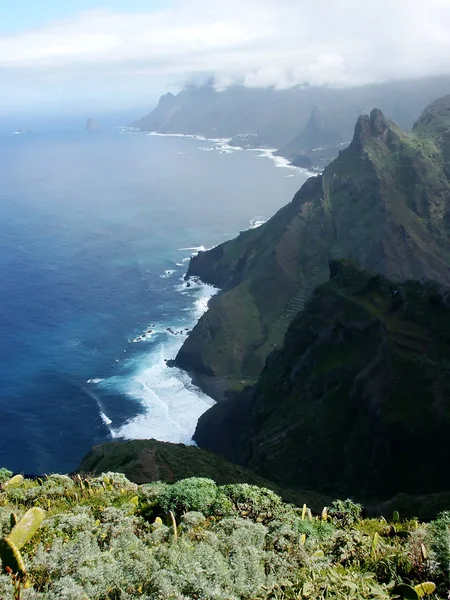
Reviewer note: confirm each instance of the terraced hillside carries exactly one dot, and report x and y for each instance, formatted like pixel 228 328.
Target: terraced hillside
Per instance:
pixel 357 399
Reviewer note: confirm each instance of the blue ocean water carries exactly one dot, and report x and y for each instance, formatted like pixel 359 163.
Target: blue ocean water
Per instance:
pixel 96 232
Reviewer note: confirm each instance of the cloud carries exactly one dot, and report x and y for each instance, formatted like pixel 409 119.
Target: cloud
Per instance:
pixel 260 43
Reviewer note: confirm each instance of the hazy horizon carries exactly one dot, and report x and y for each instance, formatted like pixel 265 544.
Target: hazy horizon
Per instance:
pixel 101 56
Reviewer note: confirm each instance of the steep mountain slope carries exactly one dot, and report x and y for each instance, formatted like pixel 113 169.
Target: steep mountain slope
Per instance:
pixel 384 201
pixel 316 145
pixel 358 399
pixel 282 118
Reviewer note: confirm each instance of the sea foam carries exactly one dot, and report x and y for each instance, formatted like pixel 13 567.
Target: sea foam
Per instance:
pixel 170 404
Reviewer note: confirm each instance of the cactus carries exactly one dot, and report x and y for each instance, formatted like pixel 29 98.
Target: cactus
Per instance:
pixel 12 561
pixel 424 589
pixel 157 522
pixel 135 500
pixel 304 512
pixel 22 533
pixel 391 531
pixel 13 520
pixel 174 525
pixel 376 537
pixel 423 551
pixel 406 592
pixel 325 514
pixel 395 516
pixel 15 481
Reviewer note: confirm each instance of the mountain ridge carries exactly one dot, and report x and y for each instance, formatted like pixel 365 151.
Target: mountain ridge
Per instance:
pixel 382 202
pixel 308 125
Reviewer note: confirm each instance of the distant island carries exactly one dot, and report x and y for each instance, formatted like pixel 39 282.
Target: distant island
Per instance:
pixel 92 125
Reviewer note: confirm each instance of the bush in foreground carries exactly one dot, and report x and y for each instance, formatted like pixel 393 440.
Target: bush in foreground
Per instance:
pixel 105 538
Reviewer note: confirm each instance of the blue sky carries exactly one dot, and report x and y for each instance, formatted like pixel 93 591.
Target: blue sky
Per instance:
pixel 15 16
pixel 95 56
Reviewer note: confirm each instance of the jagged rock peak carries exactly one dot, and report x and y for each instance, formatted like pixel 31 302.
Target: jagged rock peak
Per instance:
pixel 378 123
pixel 375 126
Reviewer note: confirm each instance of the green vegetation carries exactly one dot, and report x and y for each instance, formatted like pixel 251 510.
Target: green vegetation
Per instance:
pixel 143 461
pixel 105 538
pixel 382 202
pixel 359 390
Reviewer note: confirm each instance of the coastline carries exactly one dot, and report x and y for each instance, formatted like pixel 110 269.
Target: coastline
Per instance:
pixel 207 389
pixel 226 145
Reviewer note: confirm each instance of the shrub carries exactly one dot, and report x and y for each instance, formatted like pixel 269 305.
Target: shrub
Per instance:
pixel 345 512
pixel 5 474
pixel 195 494
pixel 254 502
pixel 439 540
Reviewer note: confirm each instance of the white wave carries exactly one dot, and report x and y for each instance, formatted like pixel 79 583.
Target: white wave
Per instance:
pixel 280 161
pixel 143 337
pixel 172 404
pixel 106 420
pixel 194 248
pixel 225 148
pixel 178 135
pixel 257 222
pixel 168 273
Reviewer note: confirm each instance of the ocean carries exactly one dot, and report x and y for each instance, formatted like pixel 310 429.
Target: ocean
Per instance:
pixel 96 233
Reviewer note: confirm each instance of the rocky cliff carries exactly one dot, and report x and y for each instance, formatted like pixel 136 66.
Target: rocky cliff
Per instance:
pixel 357 401
pixel 308 124
pixel 383 202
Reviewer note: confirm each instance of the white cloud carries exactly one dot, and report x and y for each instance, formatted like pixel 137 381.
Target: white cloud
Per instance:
pixel 261 43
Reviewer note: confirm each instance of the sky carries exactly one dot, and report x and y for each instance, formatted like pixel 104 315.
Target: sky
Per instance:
pixel 104 55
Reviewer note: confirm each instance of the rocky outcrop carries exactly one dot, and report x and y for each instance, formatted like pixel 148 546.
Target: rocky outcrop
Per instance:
pixel 383 202
pixel 92 125
pixel 356 399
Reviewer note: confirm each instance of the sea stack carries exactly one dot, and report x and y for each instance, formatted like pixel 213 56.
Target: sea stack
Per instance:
pixel 92 125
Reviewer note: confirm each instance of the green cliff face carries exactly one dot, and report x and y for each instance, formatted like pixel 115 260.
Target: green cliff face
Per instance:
pixel 382 202
pixel 358 399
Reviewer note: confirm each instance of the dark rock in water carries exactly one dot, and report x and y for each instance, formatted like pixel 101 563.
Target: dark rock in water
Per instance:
pixel 188 284
pixel 91 125
pixel 357 401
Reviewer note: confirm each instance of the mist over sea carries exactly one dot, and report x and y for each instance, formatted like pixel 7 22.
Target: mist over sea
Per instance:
pixel 96 233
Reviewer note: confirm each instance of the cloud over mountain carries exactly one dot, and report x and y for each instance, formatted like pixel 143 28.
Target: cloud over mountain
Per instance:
pixel 258 42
